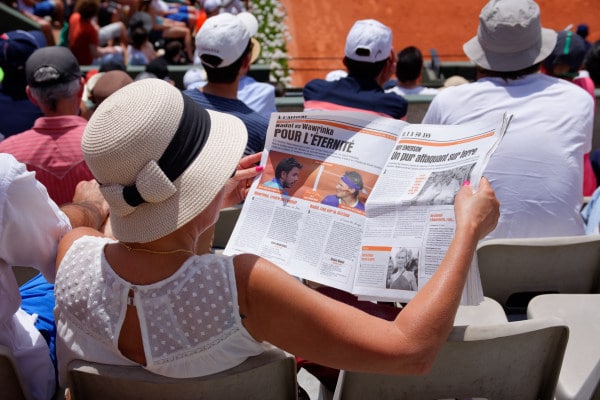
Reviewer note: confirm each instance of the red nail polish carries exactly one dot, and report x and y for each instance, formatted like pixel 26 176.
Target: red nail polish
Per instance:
pixel 259 168
pixel 466 183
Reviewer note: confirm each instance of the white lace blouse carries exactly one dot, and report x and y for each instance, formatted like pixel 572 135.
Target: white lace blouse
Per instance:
pixel 190 322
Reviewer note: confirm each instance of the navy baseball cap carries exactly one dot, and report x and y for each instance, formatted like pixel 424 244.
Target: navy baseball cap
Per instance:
pixel 17 46
pixel 50 66
pixel 570 50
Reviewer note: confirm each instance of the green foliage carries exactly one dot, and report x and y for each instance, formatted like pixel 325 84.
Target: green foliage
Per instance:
pixel 273 36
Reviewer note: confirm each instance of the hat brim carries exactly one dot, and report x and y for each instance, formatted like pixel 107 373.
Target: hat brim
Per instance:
pixel 514 61
pixel 196 187
pixel 255 50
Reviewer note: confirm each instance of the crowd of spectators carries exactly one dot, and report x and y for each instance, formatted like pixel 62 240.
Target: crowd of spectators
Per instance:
pixel 142 168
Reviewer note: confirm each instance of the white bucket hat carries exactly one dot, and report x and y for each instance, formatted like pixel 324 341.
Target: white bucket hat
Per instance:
pixel 510 36
pixel 159 157
pixel 368 41
pixel 226 36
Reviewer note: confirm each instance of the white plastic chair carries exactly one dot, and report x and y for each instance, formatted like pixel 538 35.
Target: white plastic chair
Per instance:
pixel 488 312
pixel 268 376
pixel 516 360
pixel 580 374
pixel 224 226
pixel 532 266
pixel 24 274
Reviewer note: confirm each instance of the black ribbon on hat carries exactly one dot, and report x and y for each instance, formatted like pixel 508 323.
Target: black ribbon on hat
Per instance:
pixel 187 142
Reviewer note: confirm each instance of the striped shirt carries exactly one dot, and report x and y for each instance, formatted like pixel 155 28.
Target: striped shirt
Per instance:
pixel 256 124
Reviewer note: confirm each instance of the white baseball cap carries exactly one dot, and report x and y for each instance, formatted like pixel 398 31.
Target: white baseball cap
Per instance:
pixel 368 41
pixel 226 36
pixel 211 5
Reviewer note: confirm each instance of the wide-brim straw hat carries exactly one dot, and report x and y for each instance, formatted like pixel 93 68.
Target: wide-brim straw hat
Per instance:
pixel 510 36
pixel 135 139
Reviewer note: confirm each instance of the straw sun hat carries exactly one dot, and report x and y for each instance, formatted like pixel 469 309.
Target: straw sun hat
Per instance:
pixel 159 157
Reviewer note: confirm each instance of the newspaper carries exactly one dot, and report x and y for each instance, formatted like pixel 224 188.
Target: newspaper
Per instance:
pixel 368 206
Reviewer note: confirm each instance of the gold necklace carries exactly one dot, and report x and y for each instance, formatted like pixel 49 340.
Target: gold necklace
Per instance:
pixel 130 248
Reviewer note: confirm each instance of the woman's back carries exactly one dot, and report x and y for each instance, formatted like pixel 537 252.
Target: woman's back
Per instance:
pixel 190 322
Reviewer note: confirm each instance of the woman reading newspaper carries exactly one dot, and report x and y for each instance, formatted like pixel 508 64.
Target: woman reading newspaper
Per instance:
pixel 164 302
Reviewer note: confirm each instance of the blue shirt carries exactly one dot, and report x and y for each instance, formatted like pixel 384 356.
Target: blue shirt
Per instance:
pixel 256 124
pixel 334 201
pixel 17 116
pixel 275 184
pixel 258 96
pixel 352 94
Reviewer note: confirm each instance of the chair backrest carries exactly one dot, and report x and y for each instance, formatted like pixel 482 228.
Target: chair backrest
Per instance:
pixel 271 375
pixel 24 274
pixel 568 264
pixel 11 385
pixel 513 360
pixel 224 226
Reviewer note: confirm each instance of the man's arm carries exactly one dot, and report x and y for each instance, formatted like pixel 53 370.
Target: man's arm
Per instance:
pixel 88 208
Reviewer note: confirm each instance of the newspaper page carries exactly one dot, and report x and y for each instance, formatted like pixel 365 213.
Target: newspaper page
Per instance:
pixel 305 213
pixel 410 215
pixel 347 197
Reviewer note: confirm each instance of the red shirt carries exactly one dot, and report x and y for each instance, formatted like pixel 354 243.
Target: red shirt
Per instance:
pixel 82 34
pixel 52 149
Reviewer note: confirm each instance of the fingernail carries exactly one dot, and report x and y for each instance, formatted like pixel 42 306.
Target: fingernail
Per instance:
pixel 259 168
pixel 466 183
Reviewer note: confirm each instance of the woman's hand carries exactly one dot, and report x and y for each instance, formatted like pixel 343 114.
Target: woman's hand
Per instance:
pixel 476 212
pixel 237 187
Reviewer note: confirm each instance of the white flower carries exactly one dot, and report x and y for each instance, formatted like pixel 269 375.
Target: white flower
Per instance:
pixel 273 35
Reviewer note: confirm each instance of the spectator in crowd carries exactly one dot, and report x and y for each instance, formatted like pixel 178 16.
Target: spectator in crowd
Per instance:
pixel 112 64
pixel 160 69
pixel 158 210
pixel 140 51
pixel 232 6
pixel 370 61
pixel 106 84
pixel 583 30
pixel 591 63
pixel 55 9
pixel 565 62
pixel 336 75
pixel 87 41
pixel 45 25
pixel 454 80
pixel 52 147
pixel 409 68
pixel 539 187
pixel 31 227
pixel 173 53
pixel 162 28
pixel 208 8
pixel 18 112
pixel 225 50
pixel 39 10
pixel 194 78
pixel 175 12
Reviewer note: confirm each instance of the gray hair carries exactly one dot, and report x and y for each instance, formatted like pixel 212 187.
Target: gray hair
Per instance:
pixel 50 95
